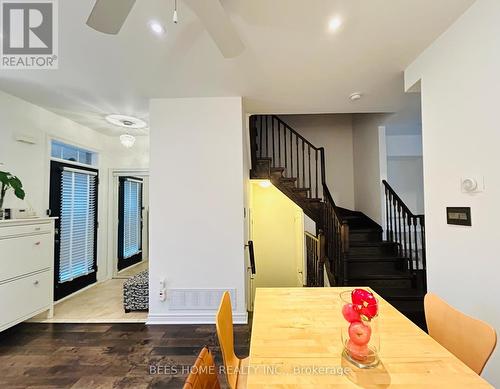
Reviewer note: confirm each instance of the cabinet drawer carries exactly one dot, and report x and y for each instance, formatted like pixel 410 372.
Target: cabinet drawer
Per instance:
pixel 26 254
pixel 35 228
pixel 21 298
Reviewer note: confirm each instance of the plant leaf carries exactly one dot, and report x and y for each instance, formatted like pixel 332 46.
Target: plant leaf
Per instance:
pixel 4 177
pixel 20 194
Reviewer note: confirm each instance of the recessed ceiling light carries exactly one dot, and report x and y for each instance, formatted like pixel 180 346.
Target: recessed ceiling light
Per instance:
pixel 335 23
pixel 126 121
pixel 265 183
pixel 355 96
pixel 156 27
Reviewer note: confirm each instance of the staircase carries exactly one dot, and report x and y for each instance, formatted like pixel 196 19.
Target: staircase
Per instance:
pixel 354 251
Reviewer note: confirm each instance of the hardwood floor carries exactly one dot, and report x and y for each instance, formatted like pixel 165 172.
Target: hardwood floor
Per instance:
pixel 89 356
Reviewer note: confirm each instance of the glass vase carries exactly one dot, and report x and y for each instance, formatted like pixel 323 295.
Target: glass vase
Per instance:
pixel 360 332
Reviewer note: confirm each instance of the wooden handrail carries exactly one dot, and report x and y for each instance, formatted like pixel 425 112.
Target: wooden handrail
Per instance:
pixel 294 132
pixel 399 200
pixel 406 229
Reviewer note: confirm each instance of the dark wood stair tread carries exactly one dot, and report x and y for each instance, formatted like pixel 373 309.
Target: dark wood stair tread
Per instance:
pixel 313 200
pixel 395 276
pixel 400 293
pixel 288 179
pixel 383 243
pixel 360 258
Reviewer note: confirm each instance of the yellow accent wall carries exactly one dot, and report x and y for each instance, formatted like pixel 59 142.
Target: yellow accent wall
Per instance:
pixel 277 229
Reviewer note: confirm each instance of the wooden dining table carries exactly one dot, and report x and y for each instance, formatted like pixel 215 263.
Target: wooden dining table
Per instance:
pixel 296 343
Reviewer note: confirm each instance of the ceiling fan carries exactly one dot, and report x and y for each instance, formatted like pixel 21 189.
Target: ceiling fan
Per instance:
pixel 108 16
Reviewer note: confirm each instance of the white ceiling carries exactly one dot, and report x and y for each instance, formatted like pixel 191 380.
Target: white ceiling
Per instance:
pixel 291 64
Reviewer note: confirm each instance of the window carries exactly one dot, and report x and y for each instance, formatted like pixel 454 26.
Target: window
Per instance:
pixel 78 208
pixel 71 153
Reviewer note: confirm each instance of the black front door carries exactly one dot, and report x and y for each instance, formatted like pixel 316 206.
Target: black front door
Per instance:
pixel 73 200
pixel 129 221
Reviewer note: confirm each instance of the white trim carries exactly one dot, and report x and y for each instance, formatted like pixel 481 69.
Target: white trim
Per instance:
pixel 81 171
pixel 192 318
pixel 87 321
pixel 129 172
pixel 248 141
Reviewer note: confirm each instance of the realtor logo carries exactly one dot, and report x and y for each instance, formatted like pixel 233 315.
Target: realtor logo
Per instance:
pixel 29 34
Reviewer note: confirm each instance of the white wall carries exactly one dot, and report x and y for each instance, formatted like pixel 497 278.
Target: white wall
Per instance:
pixel 369 164
pixel 460 80
pixel 196 202
pixel 406 177
pixel 334 133
pixel 31 162
pixel 405 169
pixel 404 145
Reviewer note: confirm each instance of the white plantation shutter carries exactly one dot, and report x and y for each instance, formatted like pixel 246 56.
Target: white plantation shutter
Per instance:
pixel 132 210
pixel 77 231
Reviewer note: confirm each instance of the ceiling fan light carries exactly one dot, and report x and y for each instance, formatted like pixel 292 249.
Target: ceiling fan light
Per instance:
pixel 127 140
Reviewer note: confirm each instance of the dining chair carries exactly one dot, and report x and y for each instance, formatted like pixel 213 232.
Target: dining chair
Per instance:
pixel 204 372
pixel 235 368
pixel 469 339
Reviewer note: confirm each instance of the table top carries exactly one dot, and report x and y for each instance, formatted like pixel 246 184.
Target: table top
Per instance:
pixel 296 343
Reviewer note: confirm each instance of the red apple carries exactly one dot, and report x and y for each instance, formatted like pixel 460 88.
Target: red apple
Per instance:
pixel 360 333
pixel 356 351
pixel 350 313
pixel 365 303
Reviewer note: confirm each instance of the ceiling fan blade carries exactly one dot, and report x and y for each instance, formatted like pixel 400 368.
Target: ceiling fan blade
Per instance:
pixel 218 25
pixel 108 16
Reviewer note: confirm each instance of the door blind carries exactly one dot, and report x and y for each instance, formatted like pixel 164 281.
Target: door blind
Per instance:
pixel 132 215
pixel 77 224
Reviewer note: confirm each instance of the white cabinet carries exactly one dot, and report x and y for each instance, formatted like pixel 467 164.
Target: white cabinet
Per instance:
pixel 26 269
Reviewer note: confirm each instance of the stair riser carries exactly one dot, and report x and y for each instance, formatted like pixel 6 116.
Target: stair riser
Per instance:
pixel 365 236
pixel 381 251
pixel 374 284
pixel 360 269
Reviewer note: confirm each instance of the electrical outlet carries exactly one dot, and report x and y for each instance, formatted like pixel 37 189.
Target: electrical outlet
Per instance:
pixel 163 294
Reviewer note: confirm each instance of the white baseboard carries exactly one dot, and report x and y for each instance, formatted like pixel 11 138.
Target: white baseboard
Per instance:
pixel 192 318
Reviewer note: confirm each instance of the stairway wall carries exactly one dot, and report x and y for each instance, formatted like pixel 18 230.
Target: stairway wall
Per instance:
pixel 459 83
pixel 334 133
pixel 370 164
pixel 278 235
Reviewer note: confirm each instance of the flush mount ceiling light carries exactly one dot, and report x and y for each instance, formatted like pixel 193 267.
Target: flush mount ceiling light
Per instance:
pixel 355 96
pixel 156 27
pixel 126 121
pixel 127 140
pixel 335 23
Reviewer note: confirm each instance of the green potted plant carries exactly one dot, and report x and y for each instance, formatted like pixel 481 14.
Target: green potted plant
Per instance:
pixel 9 181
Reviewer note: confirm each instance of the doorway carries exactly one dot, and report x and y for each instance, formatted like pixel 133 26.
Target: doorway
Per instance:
pixel 73 200
pixel 130 222
pixel 128 230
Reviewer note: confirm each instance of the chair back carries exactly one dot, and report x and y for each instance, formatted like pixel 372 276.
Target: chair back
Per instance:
pixel 224 324
pixel 204 372
pixel 470 340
